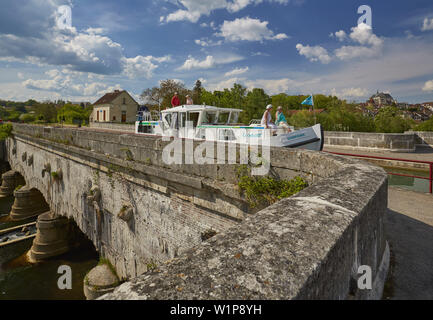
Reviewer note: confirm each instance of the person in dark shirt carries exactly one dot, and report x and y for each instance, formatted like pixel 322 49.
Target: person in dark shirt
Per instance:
pixel 175 101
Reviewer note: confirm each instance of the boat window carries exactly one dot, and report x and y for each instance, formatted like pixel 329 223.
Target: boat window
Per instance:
pixel 182 120
pixel 168 118
pixel 223 117
pixel 193 117
pixel 234 118
pixel 209 117
pixel 173 124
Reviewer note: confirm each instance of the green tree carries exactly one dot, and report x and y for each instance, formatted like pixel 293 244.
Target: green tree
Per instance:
pixel 27 117
pixel 389 120
pixel 255 105
pixel 425 126
pixel 196 92
pixel 71 114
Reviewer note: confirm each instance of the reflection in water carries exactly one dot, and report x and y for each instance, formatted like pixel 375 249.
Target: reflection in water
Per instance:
pixel 414 184
pixel 20 279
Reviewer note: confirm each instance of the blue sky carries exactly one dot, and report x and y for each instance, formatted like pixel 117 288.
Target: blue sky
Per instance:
pixel 290 46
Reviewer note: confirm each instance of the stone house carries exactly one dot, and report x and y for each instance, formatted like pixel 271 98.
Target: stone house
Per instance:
pixel 117 107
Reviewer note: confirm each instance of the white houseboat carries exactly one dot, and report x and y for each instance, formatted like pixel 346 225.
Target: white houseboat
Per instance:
pixel 201 122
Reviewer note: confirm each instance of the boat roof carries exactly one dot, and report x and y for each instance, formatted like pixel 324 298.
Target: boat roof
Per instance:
pixel 199 108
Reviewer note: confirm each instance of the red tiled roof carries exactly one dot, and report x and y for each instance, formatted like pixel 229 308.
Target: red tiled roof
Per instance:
pixel 108 97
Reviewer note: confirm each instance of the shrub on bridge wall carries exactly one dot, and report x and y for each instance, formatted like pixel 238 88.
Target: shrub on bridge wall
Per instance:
pixel 264 191
pixel 5 131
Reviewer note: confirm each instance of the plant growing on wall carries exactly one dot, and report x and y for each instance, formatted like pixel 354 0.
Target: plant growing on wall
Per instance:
pixel 57 175
pixel 5 131
pixel 264 191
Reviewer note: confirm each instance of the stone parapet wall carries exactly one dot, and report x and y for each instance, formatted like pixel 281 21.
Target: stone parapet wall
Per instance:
pixel 395 142
pixel 423 139
pixel 113 126
pixel 305 247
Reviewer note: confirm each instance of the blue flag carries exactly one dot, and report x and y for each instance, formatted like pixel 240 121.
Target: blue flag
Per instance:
pixel 308 101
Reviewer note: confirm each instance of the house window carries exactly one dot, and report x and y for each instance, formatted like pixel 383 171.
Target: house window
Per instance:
pixel 114 118
pixel 104 115
pixel 124 100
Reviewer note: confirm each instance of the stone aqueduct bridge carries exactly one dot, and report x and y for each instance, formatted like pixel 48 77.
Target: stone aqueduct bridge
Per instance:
pixel 192 223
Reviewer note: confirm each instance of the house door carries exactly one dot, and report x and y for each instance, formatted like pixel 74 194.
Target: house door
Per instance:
pixel 123 116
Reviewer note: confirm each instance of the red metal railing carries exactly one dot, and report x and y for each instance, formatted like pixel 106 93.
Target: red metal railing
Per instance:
pixel 430 163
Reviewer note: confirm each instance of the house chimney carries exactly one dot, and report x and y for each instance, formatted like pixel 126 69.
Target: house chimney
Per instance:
pixel 116 91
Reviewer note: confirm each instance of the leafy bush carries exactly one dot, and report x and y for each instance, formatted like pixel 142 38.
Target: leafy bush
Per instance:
pixel 263 191
pixel 425 126
pixel 5 131
pixel 27 118
pixel 389 120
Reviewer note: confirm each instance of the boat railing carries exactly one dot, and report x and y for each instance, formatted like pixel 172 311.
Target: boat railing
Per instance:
pixel 255 121
pixel 155 115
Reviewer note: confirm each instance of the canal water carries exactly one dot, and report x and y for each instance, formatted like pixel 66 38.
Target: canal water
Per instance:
pixel 22 280
pixel 413 184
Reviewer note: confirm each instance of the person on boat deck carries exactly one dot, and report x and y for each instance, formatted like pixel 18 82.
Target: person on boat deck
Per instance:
pixel 267 118
pixel 280 119
pixel 189 100
pixel 175 100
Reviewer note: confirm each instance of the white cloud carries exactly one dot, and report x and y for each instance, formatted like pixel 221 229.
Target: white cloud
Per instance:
pixel 192 63
pixel 236 71
pixel 428 86
pixel 350 93
pixel 340 35
pixel 248 29
pixel 427 24
pixel 34 37
pixel 67 83
pixel 364 35
pixel 192 10
pixel 352 52
pixel 205 42
pixel 208 62
pixel 219 86
pixel 316 53
pixel 371 45
pixel 271 86
pixel 257 54
pixel 95 30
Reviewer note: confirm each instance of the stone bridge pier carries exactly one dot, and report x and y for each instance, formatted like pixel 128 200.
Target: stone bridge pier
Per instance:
pixel 55 234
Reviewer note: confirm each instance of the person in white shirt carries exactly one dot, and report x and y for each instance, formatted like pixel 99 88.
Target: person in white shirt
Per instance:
pixel 189 100
pixel 267 118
